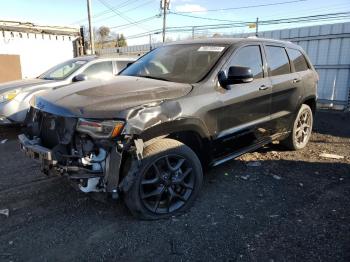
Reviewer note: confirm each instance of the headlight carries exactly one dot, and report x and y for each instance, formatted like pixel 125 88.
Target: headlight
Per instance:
pixel 100 129
pixel 7 96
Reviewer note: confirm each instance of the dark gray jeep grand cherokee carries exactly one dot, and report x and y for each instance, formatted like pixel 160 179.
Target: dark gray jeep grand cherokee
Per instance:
pixel 145 135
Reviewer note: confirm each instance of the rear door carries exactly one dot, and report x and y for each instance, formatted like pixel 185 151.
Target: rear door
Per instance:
pixel 246 107
pixel 285 88
pixel 307 79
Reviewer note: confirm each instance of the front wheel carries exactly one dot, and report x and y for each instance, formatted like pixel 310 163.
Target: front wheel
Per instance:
pixel 167 181
pixel 302 128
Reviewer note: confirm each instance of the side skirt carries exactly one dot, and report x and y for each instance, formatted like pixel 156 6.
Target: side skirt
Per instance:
pixel 247 149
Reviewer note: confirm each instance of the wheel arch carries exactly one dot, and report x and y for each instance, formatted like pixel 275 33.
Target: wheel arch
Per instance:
pixel 189 131
pixel 311 102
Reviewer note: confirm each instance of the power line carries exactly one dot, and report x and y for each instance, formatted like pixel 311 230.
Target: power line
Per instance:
pixel 126 11
pixel 283 20
pixel 328 8
pixel 117 12
pixel 303 19
pixel 199 17
pixel 136 22
pixel 242 7
pixel 121 5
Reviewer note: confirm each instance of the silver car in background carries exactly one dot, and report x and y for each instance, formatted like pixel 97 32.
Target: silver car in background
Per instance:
pixel 15 95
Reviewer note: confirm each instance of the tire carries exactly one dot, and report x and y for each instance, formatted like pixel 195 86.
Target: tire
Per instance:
pixel 167 181
pixel 301 131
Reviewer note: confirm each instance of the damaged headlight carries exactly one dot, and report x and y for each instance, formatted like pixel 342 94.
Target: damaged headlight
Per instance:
pixel 100 129
pixel 7 96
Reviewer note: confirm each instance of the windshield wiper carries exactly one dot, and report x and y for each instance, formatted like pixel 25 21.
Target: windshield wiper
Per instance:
pixel 153 77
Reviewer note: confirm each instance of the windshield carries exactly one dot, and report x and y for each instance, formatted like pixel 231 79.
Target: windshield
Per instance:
pixel 183 63
pixel 62 71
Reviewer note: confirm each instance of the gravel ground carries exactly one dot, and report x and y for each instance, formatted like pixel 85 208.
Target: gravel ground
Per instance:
pixel 295 206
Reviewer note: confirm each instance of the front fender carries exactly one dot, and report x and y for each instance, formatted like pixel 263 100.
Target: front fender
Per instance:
pixel 162 119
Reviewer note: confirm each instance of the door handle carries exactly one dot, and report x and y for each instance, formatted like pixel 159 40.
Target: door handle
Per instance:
pixel 263 87
pixel 296 80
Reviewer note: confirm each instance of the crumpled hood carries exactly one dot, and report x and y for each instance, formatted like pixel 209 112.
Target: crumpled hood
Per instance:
pixel 23 84
pixel 104 99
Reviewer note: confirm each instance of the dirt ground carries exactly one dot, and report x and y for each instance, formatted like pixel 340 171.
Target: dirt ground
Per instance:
pixel 295 206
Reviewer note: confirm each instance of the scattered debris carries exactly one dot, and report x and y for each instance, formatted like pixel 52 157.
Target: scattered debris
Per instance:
pixel 273 216
pixel 10 243
pixel 240 216
pixel 333 156
pixel 226 174
pixel 341 179
pixel 301 184
pixel 277 177
pixel 254 164
pixel 317 173
pixel 5 212
pixel 3 141
pixel 246 177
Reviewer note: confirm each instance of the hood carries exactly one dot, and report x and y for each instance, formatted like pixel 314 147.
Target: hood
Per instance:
pixel 104 99
pixel 22 84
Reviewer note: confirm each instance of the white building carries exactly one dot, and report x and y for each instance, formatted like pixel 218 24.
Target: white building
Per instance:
pixel 36 47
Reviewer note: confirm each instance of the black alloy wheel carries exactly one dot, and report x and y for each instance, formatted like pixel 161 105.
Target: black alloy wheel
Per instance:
pixel 166 182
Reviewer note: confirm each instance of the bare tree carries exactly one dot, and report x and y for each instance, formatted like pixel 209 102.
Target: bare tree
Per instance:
pixel 103 33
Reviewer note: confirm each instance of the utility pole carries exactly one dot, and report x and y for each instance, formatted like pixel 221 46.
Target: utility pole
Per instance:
pixel 92 44
pixel 164 4
pixel 192 32
pixel 257 27
pixel 150 42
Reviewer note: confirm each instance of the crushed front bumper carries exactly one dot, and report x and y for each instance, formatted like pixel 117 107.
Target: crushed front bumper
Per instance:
pixel 50 164
pixel 32 149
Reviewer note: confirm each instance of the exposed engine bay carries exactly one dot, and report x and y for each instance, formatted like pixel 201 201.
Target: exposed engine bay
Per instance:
pixel 93 164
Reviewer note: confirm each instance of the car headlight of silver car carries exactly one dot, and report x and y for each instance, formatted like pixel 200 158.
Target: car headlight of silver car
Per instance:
pixel 100 129
pixel 9 95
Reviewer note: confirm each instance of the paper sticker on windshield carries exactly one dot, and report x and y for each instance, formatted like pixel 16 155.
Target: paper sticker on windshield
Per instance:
pixel 211 48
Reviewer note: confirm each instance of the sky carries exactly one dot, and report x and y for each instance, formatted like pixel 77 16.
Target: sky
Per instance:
pixel 73 13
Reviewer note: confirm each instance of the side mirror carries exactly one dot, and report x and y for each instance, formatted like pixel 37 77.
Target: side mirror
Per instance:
pixel 80 77
pixel 236 75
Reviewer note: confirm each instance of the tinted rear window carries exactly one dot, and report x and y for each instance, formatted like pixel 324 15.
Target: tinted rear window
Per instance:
pixel 122 64
pixel 297 59
pixel 277 60
pixel 99 70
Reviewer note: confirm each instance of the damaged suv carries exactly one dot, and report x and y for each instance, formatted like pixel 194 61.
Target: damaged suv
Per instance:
pixel 146 135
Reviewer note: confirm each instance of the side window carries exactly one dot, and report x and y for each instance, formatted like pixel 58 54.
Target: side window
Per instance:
pixel 99 70
pixel 249 56
pixel 121 65
pixel 298 59
pixel 277 60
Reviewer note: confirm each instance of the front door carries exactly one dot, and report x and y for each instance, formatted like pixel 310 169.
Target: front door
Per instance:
pixel 285 88
pixel 246 107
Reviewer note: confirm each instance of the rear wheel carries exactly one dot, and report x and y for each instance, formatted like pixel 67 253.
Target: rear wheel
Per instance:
pixel 302 128
pixel 167 182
